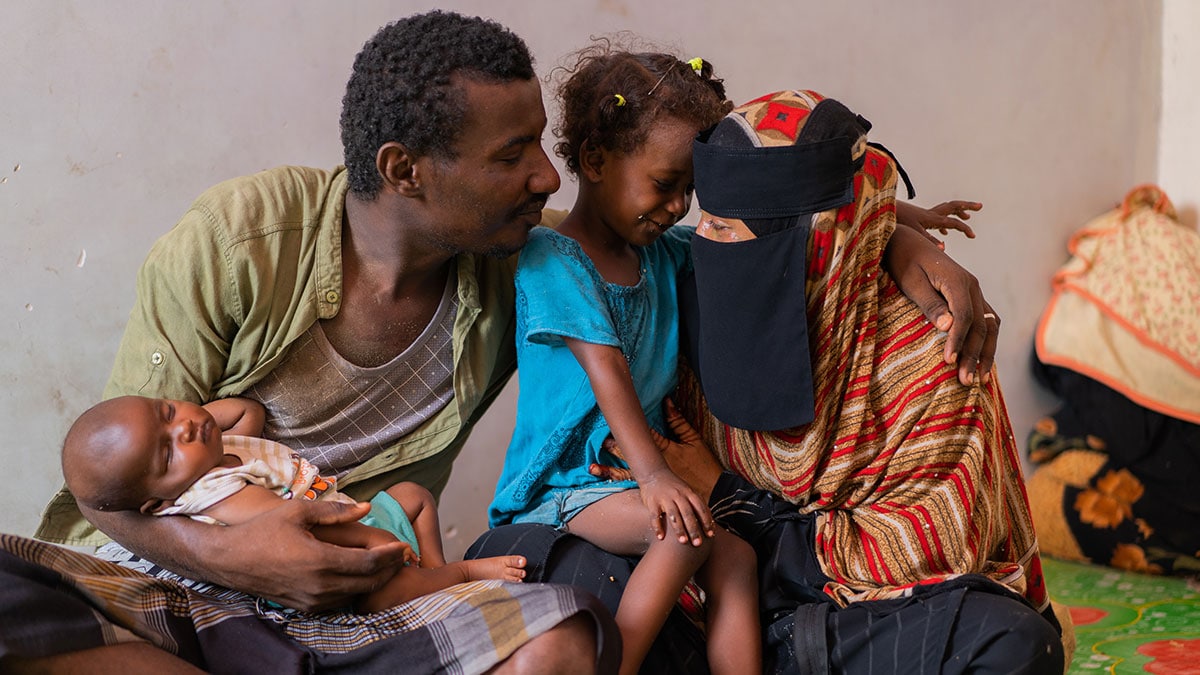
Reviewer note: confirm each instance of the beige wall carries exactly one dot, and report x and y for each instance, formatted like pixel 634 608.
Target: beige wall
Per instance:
pixel 117 114
pixel 1179 133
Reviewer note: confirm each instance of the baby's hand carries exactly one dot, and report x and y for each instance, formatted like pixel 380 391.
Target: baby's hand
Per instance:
pixel 410 556
pixel 673 504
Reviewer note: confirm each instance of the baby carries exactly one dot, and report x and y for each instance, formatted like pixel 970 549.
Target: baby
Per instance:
pixel 165 457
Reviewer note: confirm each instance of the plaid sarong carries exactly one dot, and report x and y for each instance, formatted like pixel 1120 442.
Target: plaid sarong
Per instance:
pixel 914 477
pixel 54 600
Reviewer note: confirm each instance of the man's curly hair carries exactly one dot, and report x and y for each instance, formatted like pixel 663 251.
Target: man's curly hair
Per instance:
pixel 400 88
pixel 650 85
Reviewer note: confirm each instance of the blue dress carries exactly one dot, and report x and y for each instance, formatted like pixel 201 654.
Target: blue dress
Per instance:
pixel 559 426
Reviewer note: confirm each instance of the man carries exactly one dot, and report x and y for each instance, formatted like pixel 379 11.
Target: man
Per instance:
pixel 321 293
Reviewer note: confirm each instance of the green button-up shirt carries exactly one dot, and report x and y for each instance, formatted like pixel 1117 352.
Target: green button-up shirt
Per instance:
pixel 250 267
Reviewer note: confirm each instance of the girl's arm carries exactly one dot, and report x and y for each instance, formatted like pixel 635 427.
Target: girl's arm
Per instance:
pixel 663 493
pixel 240 416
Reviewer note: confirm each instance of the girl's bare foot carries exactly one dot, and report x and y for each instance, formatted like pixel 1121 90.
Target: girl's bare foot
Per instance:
pixel 502 567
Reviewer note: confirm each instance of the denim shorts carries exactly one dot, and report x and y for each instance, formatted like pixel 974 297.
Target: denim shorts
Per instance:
pixel 560 505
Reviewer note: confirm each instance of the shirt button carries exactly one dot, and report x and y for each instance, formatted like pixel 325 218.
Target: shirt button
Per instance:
pixel 331 297
pixel 156 358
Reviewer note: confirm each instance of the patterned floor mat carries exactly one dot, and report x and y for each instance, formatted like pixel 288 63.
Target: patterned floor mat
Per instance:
pixel 1127 622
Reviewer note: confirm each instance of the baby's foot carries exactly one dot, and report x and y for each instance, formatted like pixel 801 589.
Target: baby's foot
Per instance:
pixel 503 567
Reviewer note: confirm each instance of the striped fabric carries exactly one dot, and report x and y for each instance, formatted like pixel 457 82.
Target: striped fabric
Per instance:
pixel 915 477
pixel 54 600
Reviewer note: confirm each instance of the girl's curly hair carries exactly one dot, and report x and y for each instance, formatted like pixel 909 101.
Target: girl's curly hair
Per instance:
pixel 612 96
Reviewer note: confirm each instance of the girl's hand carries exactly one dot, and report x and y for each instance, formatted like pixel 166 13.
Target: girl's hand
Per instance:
pixel 950 216
pixel 943 218
pixel 673 505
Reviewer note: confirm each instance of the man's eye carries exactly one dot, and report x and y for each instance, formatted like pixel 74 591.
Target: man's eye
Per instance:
pixel 170 411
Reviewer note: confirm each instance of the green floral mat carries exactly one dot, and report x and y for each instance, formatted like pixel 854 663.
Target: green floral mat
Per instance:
pixel 1127 622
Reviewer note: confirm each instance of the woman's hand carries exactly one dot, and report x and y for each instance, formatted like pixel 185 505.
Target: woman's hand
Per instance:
pixel 951 299
pixel 672 504
pixel 687 455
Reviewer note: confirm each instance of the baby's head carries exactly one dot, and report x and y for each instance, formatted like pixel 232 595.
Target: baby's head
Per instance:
pixel 137 453
pixel 612 98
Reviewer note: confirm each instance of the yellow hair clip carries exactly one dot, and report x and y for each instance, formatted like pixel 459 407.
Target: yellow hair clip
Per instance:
pixel 620 100
pixel 697 64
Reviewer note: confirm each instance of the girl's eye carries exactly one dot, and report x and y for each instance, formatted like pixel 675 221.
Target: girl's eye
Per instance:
pixel 170 411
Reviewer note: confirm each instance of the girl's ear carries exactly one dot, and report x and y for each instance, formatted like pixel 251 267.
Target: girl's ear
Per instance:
pixel 398 169
pixel 591 161
pixel 152 505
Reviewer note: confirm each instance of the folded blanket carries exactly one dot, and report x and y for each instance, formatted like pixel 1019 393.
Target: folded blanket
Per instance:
pixel 1126 306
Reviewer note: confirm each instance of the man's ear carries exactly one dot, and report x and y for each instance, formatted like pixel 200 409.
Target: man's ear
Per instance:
pixel 591 161
pixel 398 168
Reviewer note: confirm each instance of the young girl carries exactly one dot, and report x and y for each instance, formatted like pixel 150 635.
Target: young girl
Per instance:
pixel 597 348
pixel 209 462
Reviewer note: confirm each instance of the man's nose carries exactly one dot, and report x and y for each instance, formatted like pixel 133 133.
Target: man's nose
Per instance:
pixel 545 178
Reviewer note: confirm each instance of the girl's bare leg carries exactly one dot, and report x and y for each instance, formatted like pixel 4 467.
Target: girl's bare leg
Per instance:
pixel 421 509
pixel 730 581
pixel 620 524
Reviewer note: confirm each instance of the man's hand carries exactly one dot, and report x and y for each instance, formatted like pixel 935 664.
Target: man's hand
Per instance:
pixel 274 555
pixel 359 535
pixel 277 557
pixel 951 299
